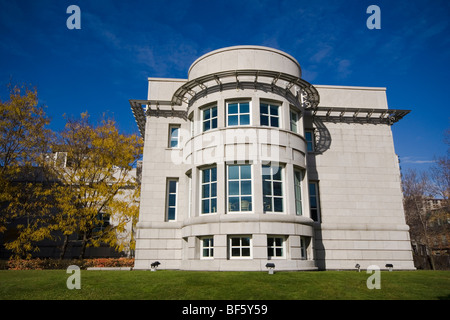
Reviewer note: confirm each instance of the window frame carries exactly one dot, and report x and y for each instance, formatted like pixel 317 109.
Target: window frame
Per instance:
pixel 209 247
pixel 317 200
pixel 240 247
pixel 274 247
pixel 173 138
pixel 168 201
pixel 210 198
pixel 310 143
pixel 269 114
pixel 239 114
pixel 291 121
pixel 298 196
pixel 272 182
pixel 211 118
pixel 239 195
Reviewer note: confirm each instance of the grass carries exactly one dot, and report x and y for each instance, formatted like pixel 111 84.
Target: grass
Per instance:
pixel 187 285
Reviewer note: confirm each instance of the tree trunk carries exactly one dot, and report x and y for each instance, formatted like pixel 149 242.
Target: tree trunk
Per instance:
pixel 64 247
pixel 83 247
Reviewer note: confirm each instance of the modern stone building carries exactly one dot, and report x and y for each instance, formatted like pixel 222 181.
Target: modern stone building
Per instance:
pixel 246 163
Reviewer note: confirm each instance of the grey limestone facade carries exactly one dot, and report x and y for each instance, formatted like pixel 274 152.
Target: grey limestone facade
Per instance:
pixel 246 163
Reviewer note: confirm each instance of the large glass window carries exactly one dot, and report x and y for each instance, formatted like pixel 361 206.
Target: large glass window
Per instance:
pixel 240 247
pixel 209 190
pixel 207 247
pixel 275 247
pixel 172 191
pixel 238 113
pixel 272 188
pixel 314 200
pixel 298 177
pixel 269 115
pixel 239 188
pixel 174 136
pixel 209 118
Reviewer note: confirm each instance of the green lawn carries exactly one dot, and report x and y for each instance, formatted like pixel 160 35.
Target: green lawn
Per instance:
pixel 186 285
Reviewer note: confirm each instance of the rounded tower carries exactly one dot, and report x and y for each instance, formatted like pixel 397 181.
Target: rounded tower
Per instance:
pixel 246 153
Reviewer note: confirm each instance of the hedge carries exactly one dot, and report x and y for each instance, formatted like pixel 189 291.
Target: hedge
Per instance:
pixel 51 264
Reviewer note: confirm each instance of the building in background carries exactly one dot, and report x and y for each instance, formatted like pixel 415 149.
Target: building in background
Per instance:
pixel 246 163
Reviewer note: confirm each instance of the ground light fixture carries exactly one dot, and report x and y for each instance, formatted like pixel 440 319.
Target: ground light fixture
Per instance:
pixel 154 265
pixel 358 267
pixel 390 266
pixel 271 267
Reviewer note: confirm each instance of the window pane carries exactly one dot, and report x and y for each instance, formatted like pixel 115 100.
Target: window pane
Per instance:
pixel 267 188
pixel 278 204
pixel 245 119
pixel 276 173
pixel 206 114
pixel 313 202
pixel 245 241
pixel 173 143
pixel 171 214
pixel 278 242
pixel 244 107
pixel 267 204
pixel 172 186
pixel 246 188
pixel 206 175
pixel 206 252
pixel 205 206
pixel 246 252
pixel 206 126
pixel 270 242
pixel 233 172
pixel 233 120
pixel 264 120
pixel 174 132
pixel 274 122
pixel 233 204
pixel 213 189
pixel 233 188
pixel 214 174
pixel 205 191
pixel 246 172
pixel 172 200
pixel 274 110
pixel 214 112
pixel 235 252
pixel 213 205
pixel 206 242
pixel 277 189
pixel 235 242
pixel 232 108
pixel 278 252
pixel 312 189
pixel 270 252
pixel 214 123
pixel 264 108
pixel 246 204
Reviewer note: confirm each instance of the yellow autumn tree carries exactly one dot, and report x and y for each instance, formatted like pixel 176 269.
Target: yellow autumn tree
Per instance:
pixel 95 183
pixel 24 137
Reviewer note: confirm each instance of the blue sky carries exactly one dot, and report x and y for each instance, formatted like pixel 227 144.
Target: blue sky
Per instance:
pixel 104 64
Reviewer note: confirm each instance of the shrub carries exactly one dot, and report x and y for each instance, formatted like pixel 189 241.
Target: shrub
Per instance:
pixel 48 264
